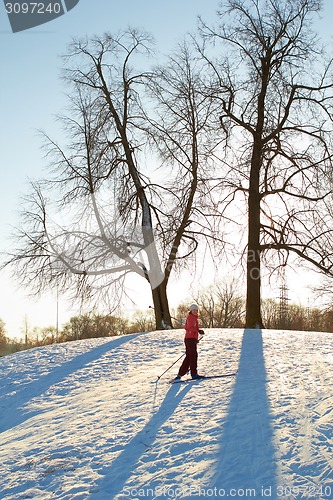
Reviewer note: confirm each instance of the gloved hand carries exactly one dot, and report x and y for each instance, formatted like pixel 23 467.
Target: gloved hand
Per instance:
pixel 201 332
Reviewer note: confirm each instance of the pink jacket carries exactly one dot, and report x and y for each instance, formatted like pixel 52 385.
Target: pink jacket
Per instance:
pixel 192 326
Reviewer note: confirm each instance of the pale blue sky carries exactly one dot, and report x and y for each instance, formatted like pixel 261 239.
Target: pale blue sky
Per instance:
pixel 31 90
pixel 32 94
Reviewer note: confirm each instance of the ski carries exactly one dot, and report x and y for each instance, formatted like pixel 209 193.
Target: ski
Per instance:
pixel 204 377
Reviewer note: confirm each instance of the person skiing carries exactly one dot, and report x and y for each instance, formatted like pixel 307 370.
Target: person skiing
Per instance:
pixel 191 339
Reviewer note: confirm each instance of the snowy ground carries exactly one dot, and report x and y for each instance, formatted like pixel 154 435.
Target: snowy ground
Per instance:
pixel 87 420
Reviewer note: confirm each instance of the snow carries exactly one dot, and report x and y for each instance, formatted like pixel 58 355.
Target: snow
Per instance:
pixel 90 419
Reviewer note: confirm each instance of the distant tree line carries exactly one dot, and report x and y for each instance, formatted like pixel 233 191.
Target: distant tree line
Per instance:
pixel 80 327
pixel 221 306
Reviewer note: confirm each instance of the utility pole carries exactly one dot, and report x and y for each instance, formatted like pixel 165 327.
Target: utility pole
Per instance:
pixel 283 307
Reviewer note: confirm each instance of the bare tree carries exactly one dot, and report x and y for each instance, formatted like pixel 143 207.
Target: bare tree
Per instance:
pixel 142 321
pixel 221 305
pixel 100 217
pixel 94 325
pixel 270 313
pixel 275 93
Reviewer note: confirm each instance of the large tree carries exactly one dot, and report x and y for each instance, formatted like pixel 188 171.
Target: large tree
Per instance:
pixel 104 210
pixel 275 88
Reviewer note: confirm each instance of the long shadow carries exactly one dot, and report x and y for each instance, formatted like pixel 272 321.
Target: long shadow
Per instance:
pixel 126 462
pixel 247 456
pixel 13 403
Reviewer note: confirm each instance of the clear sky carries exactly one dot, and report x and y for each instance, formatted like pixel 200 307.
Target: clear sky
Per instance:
pixel 32 94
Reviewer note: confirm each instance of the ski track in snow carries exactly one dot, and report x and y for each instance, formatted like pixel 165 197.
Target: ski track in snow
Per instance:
pixel 88 419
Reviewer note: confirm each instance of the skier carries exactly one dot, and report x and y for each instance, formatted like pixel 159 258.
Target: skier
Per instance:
pixel 191 340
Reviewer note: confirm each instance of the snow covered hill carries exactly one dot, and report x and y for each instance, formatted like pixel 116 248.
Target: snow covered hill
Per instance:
pixel 88 419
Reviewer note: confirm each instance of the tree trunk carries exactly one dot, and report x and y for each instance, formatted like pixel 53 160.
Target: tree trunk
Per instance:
pixel 161 307
pixel 253 291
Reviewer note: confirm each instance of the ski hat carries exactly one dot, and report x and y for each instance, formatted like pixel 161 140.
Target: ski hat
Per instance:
pixel 194 307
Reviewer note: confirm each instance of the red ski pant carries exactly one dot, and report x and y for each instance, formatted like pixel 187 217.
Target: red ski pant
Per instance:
pixel 191 358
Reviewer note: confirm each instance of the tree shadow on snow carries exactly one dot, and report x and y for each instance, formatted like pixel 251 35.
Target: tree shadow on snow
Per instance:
pixel 14 403
pixel 122 468
pixel 247 455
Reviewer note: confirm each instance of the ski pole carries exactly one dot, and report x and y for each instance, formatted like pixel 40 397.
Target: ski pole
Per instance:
pixel 179 321
pixel 176 319
pixel 180 357
pixel 158 378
